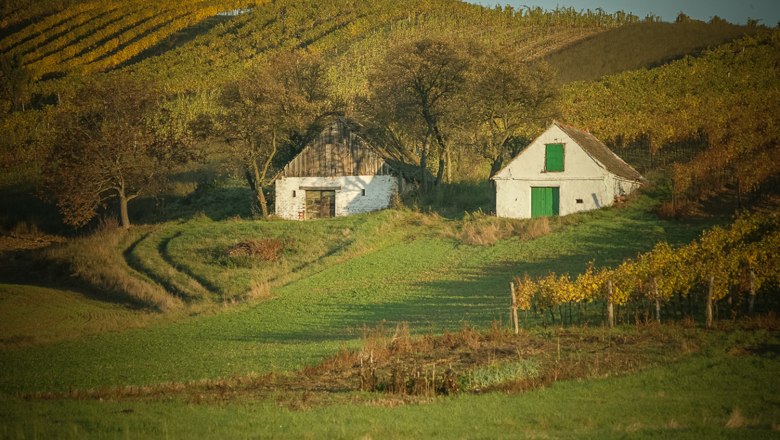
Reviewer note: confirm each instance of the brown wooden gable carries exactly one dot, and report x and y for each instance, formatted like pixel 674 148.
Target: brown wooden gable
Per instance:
pixel 337 151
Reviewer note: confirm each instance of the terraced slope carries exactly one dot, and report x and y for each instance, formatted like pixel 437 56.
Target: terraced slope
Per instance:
pixel 96 36
pixel 639 45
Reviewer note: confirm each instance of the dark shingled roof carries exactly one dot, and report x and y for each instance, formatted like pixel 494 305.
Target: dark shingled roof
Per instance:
pixel 599 152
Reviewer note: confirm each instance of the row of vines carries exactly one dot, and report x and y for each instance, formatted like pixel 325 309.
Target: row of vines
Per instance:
pixel 97 36
pixel 720 106
pixel 726 269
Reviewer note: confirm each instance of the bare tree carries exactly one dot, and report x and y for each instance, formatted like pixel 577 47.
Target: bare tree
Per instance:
pixel 416 85
pixel 16 80
pixel 111 143
pixel 506 100
pixel 277 100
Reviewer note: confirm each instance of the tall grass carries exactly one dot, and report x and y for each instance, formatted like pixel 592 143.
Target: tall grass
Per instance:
pixel 96 261
pixel 480 229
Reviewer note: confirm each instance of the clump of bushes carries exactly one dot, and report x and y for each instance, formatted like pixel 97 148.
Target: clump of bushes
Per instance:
pixel 266 249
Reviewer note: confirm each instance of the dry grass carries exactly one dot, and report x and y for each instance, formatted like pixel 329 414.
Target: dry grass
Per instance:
pixel 397 368
pixel 737 420
pixel 96 261
pixel 479 229
pixel 259 290
pixel 267 249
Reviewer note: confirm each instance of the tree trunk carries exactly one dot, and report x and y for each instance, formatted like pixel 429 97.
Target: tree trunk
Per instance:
pixel 710 292
pixel 424 166
pixel 443 153
pixel 124 217
pixel 495 166
pixel 258 187
pixel 440 171
pixel 448 155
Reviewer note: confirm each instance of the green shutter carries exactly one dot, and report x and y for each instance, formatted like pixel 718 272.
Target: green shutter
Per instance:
pixel 553 157
pixel 545 201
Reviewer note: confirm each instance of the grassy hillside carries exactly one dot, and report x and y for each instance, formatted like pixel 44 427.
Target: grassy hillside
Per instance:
pixel 710 114
pixel 391 266
pixel 201 320
pixel 96 36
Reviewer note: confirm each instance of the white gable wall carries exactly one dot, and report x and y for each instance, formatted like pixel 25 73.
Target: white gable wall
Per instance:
pixel 349 198
pixel 584 184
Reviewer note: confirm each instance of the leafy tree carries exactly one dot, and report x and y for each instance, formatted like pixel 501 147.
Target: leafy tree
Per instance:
pixel 112 143
pixel 505 101
pixel 416 85
pixel 276 101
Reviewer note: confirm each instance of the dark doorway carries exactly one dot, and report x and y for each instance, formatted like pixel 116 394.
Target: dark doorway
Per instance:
pixel 320 203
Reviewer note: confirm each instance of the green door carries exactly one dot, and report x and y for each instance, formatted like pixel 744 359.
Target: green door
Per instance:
pixel 544 201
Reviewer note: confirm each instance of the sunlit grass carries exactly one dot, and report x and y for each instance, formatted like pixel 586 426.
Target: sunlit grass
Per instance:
pixel 390 266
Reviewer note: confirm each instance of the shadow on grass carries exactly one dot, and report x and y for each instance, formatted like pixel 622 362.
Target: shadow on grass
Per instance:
pixel 453 200
pixel 475 290
pixel 215 202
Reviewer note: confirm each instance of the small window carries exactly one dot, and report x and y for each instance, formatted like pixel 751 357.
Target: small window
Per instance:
pixel 364 191
pixel 579 201
pixel 293 193
pixel 553 158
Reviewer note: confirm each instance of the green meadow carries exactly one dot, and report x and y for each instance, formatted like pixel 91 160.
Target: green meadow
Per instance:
pixel 347 275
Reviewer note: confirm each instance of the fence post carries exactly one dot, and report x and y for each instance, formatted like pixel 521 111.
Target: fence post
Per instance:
pixel 513 309
pixel 657 300
pixel 610 306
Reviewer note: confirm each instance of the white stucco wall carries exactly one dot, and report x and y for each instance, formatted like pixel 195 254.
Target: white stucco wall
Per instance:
pixel 584 184
pixel 349 198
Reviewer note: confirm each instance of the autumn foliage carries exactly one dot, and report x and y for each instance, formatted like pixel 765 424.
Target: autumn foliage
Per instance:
pixel 734 264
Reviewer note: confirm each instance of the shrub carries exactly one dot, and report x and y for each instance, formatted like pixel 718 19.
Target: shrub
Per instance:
pixel 267 249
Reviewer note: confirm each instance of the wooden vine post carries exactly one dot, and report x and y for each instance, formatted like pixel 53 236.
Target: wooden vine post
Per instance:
pixel 657 300
pixel 710 292
pixel 610 306
pixel 513 308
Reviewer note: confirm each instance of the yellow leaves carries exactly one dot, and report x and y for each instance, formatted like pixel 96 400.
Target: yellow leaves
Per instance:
pixel 525 289
pixel 725 256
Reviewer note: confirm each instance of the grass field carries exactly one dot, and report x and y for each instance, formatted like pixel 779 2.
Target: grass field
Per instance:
pixel 725 392
pixel 325 289
pixel 401 269
pixel 35 315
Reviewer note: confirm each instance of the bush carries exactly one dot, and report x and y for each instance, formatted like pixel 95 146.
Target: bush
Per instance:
pixel 267 249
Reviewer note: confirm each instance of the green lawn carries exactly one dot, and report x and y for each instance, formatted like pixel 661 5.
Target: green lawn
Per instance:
pixel 712 395
pixel 391 266
pixel 35 315
pixel 398 271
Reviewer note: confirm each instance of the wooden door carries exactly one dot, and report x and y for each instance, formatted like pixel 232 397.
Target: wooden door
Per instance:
pixel 320 203
pixel 545 201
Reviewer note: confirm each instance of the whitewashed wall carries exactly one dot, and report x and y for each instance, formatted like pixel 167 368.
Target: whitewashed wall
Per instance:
pixel 349 199
pixel 584 184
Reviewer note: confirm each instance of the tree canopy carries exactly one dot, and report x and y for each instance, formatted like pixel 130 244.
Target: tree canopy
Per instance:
pixel 111 143
pixel 274 103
